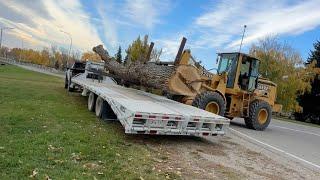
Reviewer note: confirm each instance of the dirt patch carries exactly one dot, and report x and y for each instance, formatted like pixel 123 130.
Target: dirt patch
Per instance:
pixel 216 158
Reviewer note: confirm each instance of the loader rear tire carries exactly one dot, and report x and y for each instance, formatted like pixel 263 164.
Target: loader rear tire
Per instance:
pixel 210 101
pixel 91 101
pixel 259 115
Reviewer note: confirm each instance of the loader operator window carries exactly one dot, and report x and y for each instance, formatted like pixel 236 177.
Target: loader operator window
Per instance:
pixel 248 74
pixel 244 75
pixel 254 74
pixel 228 63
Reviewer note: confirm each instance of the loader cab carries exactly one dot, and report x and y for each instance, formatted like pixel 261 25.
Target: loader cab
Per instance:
pixel 242 70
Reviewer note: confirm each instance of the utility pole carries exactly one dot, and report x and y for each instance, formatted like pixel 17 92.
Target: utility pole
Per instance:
pixel 70 45
pixel 244 30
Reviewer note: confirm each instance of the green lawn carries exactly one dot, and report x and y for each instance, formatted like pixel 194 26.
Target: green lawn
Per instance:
pixel 46 132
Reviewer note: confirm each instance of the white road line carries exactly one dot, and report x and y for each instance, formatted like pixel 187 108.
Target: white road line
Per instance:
pixel 310 133
pixel 277 149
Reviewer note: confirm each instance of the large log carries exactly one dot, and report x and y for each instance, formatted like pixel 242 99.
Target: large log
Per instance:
pixel 145 74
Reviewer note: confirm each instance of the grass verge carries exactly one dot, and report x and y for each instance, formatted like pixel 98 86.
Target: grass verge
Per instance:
pixel 47 133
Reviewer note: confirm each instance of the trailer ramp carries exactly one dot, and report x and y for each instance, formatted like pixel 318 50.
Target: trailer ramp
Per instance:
pixel 140 112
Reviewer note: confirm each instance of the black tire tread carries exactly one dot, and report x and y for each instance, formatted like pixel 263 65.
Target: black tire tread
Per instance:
pixel 66 83
pixel 201 100
pixel 92 108
pixel 252 121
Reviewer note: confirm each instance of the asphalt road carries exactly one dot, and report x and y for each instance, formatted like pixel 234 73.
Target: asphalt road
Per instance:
pixel 296 141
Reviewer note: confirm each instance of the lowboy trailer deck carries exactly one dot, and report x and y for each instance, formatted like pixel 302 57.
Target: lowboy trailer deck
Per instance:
pixel 140 112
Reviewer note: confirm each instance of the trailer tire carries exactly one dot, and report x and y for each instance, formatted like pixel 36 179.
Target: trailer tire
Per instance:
pixel 210 101
pixel 70 89
pixel 259 115
pixel 92 101
pixel 104 110
pixel 66 83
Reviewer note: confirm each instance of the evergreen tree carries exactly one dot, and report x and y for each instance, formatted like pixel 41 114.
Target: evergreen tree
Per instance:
pixel 310 101
pixel 118 55
pixel 315 54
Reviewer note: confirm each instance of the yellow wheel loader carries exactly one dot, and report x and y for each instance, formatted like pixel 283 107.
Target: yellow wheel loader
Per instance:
pixel 236 90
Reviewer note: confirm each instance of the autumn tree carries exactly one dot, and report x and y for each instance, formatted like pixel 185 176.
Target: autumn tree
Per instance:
pixel 92 56
pixel 283 65
pixel 4 51
pixel 138 50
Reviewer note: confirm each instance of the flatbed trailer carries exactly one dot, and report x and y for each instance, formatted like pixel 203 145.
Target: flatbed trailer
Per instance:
pixel 140 112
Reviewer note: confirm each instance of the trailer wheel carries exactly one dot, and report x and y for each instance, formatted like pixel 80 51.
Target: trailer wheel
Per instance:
pixel 70 89
pixel 210 101
pixel 104 110
pixel 259 115
pixel 91 101
pixel 100 107
pixel 66 83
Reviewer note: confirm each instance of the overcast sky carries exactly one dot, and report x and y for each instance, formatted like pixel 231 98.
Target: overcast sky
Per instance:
pixel 210 26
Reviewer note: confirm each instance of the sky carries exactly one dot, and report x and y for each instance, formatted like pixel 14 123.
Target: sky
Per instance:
pixel 210 26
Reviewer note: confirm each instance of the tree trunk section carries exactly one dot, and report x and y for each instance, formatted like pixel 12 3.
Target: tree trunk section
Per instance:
pixel 145 74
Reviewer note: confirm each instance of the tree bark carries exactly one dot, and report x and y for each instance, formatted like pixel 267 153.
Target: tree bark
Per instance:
pixel 145 74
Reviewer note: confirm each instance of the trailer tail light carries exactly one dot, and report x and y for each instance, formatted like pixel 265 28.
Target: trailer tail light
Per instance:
pixel 205 134
pixel 153 132
pixel 138 115
pixel 165 117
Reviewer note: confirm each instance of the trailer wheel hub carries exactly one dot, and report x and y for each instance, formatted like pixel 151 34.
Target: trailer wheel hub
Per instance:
pixel 213 107
pixel 262 116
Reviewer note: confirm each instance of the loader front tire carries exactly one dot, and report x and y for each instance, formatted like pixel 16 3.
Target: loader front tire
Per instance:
pixel 210 101
pixel 91 101
pixel 259 115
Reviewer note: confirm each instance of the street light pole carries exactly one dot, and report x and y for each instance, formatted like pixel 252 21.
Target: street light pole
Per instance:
pixel 1 29
pixel 21 50
pixel 70 45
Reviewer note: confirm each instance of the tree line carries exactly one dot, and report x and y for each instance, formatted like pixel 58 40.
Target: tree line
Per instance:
pixel 52 57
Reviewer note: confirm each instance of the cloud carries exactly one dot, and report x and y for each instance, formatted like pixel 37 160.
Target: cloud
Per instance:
pixel 145 13
pixel 224 22
pixel 108 21
pixel 44 19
